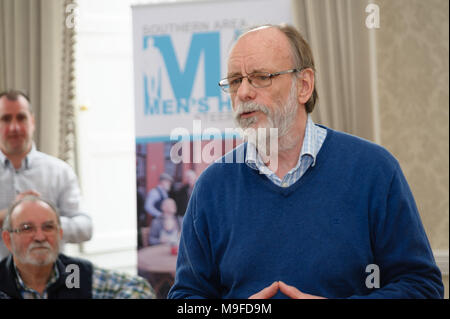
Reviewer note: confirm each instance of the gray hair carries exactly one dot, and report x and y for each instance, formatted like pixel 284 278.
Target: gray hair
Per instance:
pixel 7 225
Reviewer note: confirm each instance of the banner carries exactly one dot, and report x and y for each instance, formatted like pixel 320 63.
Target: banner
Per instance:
pixel 181 114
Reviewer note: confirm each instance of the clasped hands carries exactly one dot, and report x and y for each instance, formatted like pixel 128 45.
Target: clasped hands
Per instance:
pixel 289 291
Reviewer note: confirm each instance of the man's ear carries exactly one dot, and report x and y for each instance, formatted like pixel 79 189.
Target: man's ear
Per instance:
pixel 305 85
pixel 6 236
pixel 33 125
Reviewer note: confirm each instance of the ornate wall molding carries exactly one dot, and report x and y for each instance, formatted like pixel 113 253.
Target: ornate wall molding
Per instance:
pixel 67 125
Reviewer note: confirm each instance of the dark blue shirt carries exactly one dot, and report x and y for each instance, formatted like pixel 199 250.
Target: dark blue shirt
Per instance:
pixel 352 210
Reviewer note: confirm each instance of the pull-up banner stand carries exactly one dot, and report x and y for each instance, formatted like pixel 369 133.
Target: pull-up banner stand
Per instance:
pixel 180 55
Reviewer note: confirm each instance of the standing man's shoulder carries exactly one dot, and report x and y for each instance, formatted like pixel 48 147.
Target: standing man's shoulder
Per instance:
pixel 42 158
pixel 52 165
pixel 223 166
pixel 361 149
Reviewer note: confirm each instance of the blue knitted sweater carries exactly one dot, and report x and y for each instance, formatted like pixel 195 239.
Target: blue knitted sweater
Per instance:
pixel 352 209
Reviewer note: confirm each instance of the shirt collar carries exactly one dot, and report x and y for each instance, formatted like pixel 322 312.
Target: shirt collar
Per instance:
pixel 24 290
pixel 26 162
pixel 31 156
pixel 253 159
pixel 309 141
pixel 3 159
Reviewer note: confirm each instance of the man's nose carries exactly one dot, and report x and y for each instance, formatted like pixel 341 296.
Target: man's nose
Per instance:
pixel 14 125
pixel 39 235
pixel 246 92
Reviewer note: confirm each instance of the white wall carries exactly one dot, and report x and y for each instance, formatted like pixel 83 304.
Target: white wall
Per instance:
pixel 106 131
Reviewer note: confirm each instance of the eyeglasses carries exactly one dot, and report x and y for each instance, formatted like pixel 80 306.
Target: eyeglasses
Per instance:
pixel 257 80
pixel 30 229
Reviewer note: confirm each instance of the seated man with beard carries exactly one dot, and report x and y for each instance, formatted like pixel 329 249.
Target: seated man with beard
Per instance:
pixel 36 270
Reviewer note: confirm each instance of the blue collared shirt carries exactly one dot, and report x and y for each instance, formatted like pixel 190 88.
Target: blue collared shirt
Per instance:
pixel 312 142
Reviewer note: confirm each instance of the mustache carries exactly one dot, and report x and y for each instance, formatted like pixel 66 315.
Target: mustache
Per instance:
pixel 246 107
pixel 35 245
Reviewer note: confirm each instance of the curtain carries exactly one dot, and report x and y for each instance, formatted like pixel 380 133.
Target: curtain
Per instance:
pixel 36 56
pixel 344 53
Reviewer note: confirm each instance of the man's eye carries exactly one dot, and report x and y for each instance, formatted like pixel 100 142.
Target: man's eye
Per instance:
pixel 235 81
pixel 26 228
pixel 6 119
pixel 48 227
pixel 261 77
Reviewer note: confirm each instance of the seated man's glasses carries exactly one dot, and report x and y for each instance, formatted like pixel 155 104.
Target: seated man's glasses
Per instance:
pixel 257 80
pixel 30 229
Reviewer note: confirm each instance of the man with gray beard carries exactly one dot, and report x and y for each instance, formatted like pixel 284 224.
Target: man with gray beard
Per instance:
pixel 36 270
pixel 273 136
pixel 334 218
pixel 283 119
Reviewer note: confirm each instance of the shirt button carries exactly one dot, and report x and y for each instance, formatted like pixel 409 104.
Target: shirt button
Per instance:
pixel 284 184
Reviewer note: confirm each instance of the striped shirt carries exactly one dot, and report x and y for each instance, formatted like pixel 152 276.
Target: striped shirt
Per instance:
pixel 106 284
pixel 312 142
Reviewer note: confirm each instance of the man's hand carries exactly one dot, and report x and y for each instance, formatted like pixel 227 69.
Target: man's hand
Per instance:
pixel 267 292
pixel 3 213
pixel 26 193
pixel 294 293
pixel 289 291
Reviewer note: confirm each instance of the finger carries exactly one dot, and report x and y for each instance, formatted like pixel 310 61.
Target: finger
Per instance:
pixel 28 192
pixel 290 291
pixel 32 192
pixel 294 293
pixel 267 292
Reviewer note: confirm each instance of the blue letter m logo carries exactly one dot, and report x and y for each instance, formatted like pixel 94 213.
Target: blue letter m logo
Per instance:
pixel 183 81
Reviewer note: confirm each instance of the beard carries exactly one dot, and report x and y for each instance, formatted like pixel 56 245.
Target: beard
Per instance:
pixel 281 118
pixel 37 253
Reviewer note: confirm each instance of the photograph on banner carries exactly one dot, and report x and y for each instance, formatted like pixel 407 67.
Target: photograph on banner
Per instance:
pixel 164 186
pixel 183 120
